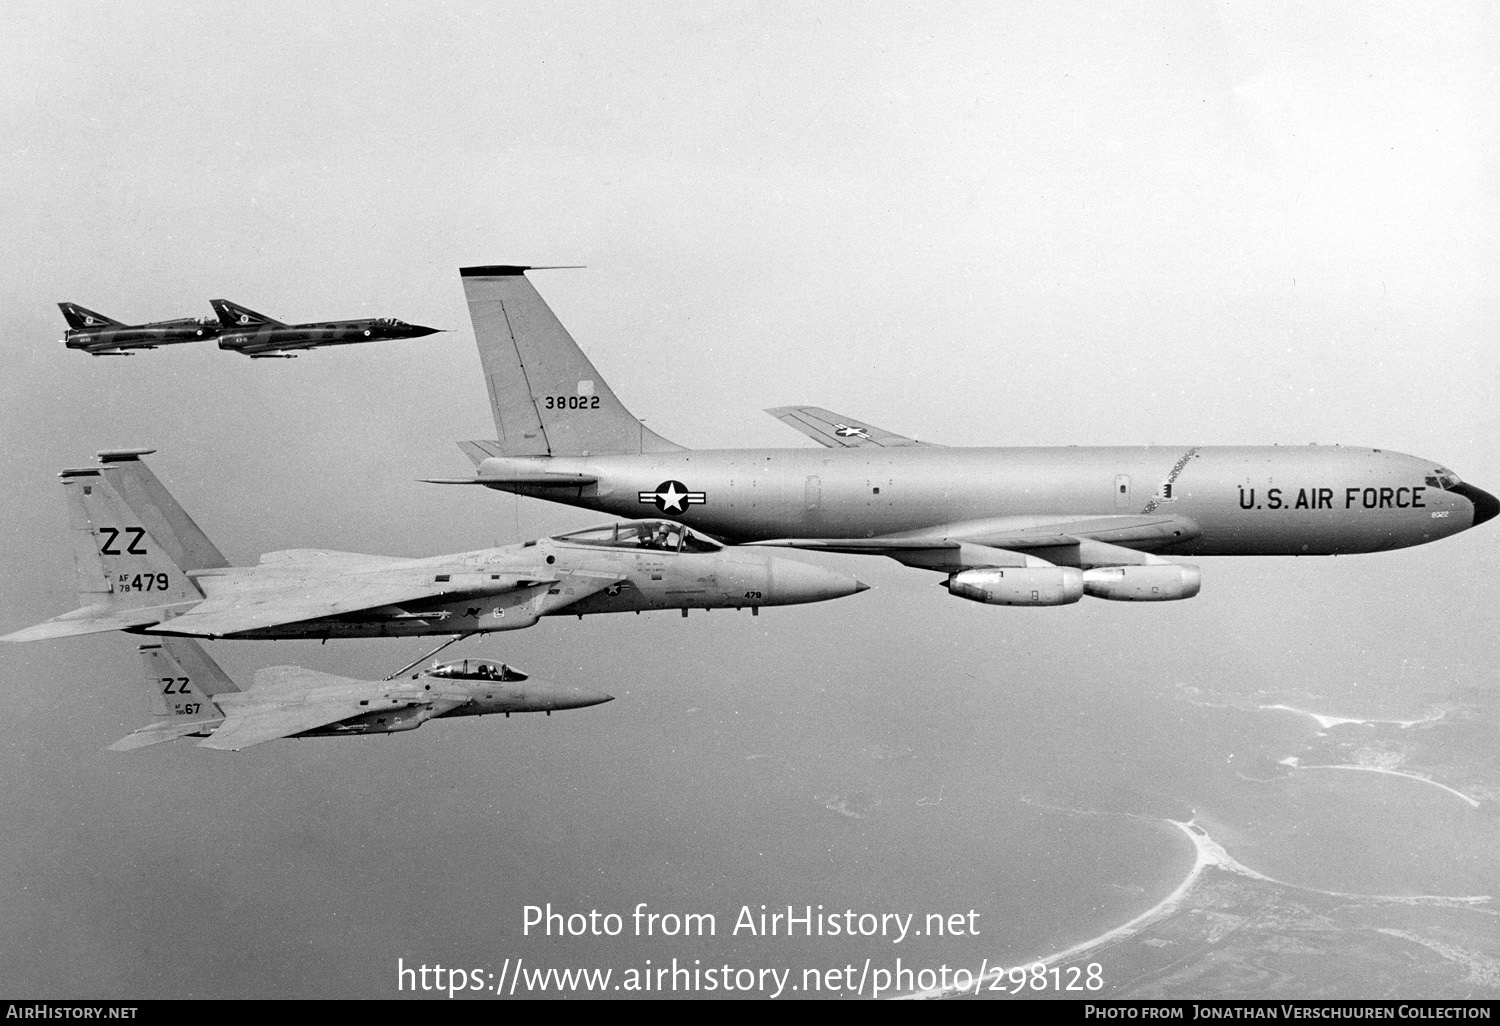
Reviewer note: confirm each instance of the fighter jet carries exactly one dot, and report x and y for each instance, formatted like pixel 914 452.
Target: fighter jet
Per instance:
pixel 260 337
pixel 195 698
pixel 99 335
pixel 1009 526
pixel 142 565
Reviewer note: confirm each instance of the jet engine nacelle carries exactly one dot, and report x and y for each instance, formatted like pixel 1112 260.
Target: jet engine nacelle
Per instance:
pixel 1158 582
pixel 1019 586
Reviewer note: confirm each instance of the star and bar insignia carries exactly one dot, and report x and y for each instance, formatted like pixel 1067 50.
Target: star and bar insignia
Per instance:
pixel 845 431
pixel 673 497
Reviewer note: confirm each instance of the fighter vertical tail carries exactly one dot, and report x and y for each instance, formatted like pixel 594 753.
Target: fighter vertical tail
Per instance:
pixel 80 318
pixel 547 398
pixel 182 681
pixel 232 315
pixel 133 548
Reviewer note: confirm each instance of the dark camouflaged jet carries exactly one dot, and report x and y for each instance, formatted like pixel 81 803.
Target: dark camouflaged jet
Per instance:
pixel 99 335
pixel 260 337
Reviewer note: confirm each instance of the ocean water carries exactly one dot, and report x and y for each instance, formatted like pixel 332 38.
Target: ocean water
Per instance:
pixel 913 755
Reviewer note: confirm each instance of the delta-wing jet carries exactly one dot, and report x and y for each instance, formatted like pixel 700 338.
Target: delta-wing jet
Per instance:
pixel 259 337
pixel 142 565
pixel 99 335
pixel 193 697
pixel 1012 526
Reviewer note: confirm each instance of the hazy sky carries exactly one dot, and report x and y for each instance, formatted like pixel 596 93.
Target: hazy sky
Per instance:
pixel 1211 223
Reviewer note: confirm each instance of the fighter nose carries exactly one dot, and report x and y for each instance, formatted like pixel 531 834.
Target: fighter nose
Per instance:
pixel 1486 506
pixel 578 698
pixel 418 330
pixel 803 582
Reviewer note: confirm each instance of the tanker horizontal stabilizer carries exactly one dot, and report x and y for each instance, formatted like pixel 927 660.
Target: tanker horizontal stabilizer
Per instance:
pixel 837 431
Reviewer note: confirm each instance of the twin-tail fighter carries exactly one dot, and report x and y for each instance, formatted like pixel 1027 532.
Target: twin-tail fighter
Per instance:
pixel 259 337
pixel 1007 526
pixel 142 565
pixel 194 698
pixel 99 335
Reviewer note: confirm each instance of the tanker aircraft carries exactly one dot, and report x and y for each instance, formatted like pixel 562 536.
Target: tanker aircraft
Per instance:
pixel 1008 526
pixel 197 699
pixel 263 338
pixel 143 566
pixel 99 335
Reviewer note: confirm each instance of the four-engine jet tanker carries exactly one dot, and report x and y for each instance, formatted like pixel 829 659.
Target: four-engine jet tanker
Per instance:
pixel 260 337
pixel 99 335
pixel 1015 526
pixel 144 566
pixel 194 698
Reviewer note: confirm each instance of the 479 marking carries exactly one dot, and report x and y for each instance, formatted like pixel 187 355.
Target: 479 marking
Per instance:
pixel 144 582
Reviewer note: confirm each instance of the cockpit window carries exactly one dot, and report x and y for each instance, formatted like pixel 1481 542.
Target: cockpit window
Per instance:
pixel 694 542
pixel 658 535
pixel 477 669
pixel 1445 479
pixel 593 536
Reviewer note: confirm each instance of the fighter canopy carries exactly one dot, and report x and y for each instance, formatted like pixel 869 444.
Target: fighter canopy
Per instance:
pixel 661 535
pixel 477 669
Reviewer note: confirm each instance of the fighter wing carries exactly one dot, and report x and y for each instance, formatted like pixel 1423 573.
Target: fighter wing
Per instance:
pixel 289 700
pixel 243 603
pixel 243 728
pixel 834 430
pixel 155 734
pixel 92 620
pixel 251 721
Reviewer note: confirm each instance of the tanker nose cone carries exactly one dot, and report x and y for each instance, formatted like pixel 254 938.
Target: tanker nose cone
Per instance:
pixel 860 586
pixel 802 582
pixel 1486 506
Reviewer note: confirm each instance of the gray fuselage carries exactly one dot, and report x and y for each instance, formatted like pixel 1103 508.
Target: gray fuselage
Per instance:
pixel 639 579
pixel 1261 500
